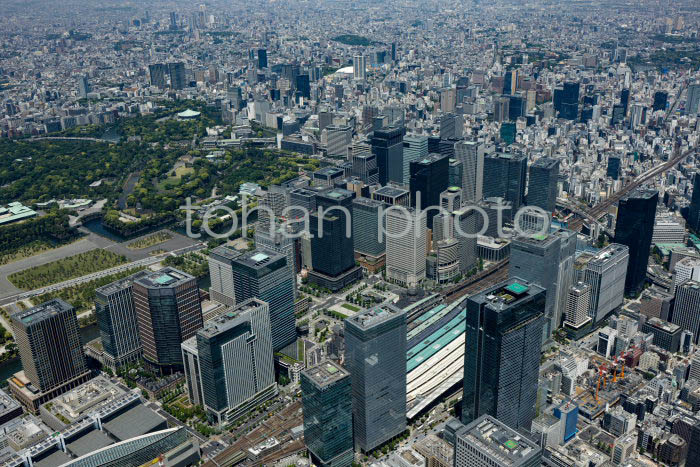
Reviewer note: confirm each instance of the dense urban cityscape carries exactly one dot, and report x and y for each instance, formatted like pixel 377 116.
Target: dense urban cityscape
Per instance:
pixel 390 233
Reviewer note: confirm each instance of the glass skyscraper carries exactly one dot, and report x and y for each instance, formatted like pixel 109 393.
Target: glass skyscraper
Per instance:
pixel 429 177
pixel 502 353
pixel 375 356
pixel 542 185
pixel 387 145
pixel 327 400
pixel 634 228
pixel 116 318
pixel 505 176
pixel 264 274
pixel 694 208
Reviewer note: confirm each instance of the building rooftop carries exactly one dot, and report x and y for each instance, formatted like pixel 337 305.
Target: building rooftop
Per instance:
pixel 663 325
pixel 43 311
pixel 640 193
pixel 326 373
pixel 225 252
pixel 228 319
pixel 258 258
pixel 134 422
pixel 391 192
pixel 120 284
pixel 508 293
pixel 166 277
pixel 374 316
pixel 15 211
pixel 496 440
pixel 329 172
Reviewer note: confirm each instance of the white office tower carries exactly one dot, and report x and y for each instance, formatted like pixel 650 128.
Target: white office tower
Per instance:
pixel 271 205
pixel 339 139
pixel 221 274
pixel 685 269
pixel 605 272
pixel 686 312
pixel 359 67
pixel 230 361
pixel 577 304
pixel 471 155
pixel 405 246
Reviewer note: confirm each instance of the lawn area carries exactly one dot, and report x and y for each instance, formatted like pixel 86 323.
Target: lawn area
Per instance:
pixel 352 308
pixel 31 249
pixel 65 269
pixel 149 240
pixel 174 177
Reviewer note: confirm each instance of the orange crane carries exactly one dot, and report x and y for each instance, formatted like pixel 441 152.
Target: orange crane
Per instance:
pixel 615 370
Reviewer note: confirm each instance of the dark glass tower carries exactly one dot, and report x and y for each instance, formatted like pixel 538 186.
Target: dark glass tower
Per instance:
pixel 264 275
pixel 262 58
pixel 634 228
pixel 542 186
pixel 430 176
pixel 387 145
pixel 502 353
pixel 327 400
pixel 504 177
pixel 375 356
pixel 614 166
pixel 168 311
pixel 177 75
pixel 660 100
pixel 332 251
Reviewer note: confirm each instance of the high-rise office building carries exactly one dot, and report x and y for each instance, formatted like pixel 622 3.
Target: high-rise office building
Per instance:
pixel 405 246
pixel 614 167
pixel 264 275
pixel 694 207
pixel 53 360
pixel 415 148
pixel 332 245
pixel 502 353
pixel 387 145
pixel 158 73
pixel 367 220
pixel 506 175
pixel 262 58
pixel 429 178
pixel 692 104
pixel 168 311
pixel 364 164
pixel 326 395
pixel 635 228
pixel 566 100
pixel 660 100
pixel 693 457
pixel 686 312
pixel 116 318
pixel 605 271
pixel 83 86
pixel 230 362
pixel 471 155
pixel 488 442
pixel 221 274
pixel 177 75
pixel 455 173
pixel 392 196
pixel 173 20
pixel 359 67
pixel 375 357
pixel 339 139
pixel 547 261
pixel 542 188
pixel 577 304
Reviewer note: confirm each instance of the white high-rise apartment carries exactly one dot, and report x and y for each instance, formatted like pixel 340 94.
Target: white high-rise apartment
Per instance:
pixel 577 304
pixel 405 246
